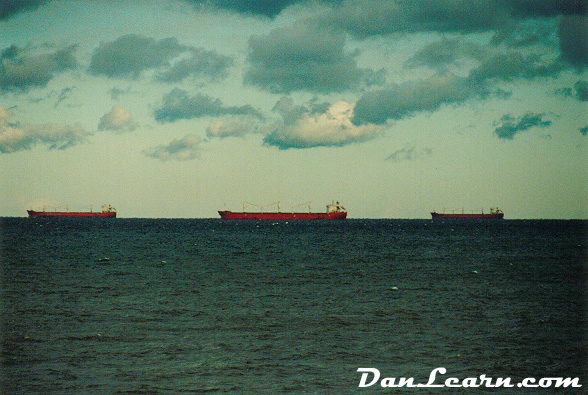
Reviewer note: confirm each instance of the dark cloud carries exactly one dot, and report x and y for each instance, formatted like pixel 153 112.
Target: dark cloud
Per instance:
pixel 375 17
pixel 178 105
pixel 303 57
pixel 544 8
pixel 364 18
pixel 200 63
pixel 186 148
pixel 510 66
pixel 516 24
pixel 444 52
pixel 129 55
pixel 527 33
pixel 63 95
pixel 268 8
pixel 115 92
pixel 400 101
pixel 573 39
pixel 511 126
pixel 316 125
pixel 407 99
pixel 409 153
pixel 581 88
pixel 10 52
pixel 23 68
pixel 435 54
pixel 566 92
pixel 10 8
pixel 291 112
pixel 15 137
pixel 584 130
pixel 492 65
pixel 369 17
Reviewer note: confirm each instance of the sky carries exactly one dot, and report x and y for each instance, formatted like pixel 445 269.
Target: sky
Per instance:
pixel 181 108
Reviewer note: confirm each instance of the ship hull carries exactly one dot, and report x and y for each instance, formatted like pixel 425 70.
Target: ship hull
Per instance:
pixel 467 216
pixel 277 216
pixel 33 213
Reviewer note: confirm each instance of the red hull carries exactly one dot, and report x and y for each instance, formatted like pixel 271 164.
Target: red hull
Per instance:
pixel 282 216
pixel 467 216
pixel 32 213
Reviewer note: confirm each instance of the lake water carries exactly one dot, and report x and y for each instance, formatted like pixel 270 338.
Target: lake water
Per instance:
pixel 190 306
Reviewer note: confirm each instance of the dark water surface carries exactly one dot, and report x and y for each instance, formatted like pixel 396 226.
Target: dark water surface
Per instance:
pixel 155 306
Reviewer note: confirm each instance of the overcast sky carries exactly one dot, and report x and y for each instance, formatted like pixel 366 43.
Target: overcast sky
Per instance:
pixel 181 108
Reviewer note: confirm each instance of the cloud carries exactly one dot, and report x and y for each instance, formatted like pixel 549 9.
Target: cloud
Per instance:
pixel 303 57
pixel 319 125
pixel 118 119
pixel 545 8
pixel 186 148
pixel 268 8
pixel 234 127
pixel 581 88
pixel 492 65
pixel 299 126
pixel 178 105
pixel 573 39
pixel 445 52
pixel 200 63
pixel 14 137
pixel 382 17
pixel 409 153
pixel 527 33
pixel 115 92
pixel 579 91
pixel 513 65
pixel 9 8
pixel 584 130
pixel 511 126
pixel 400 101
pixel 63 95
pixel 22 68
pixel 409 98
pixel 128 56
pixel 364 18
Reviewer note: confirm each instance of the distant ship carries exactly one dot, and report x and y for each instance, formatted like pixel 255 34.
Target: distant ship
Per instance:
pixel 107 212
pixel 334 211
pixel 495 213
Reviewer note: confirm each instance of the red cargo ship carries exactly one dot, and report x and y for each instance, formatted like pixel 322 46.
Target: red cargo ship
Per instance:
pixel 107 212
pixel 495 213
pixel 334 211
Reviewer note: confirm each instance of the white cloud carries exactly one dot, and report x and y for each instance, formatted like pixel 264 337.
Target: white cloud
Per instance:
pixel 332 127
pixel 118 119
pixel 233 127
pixel 14 137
